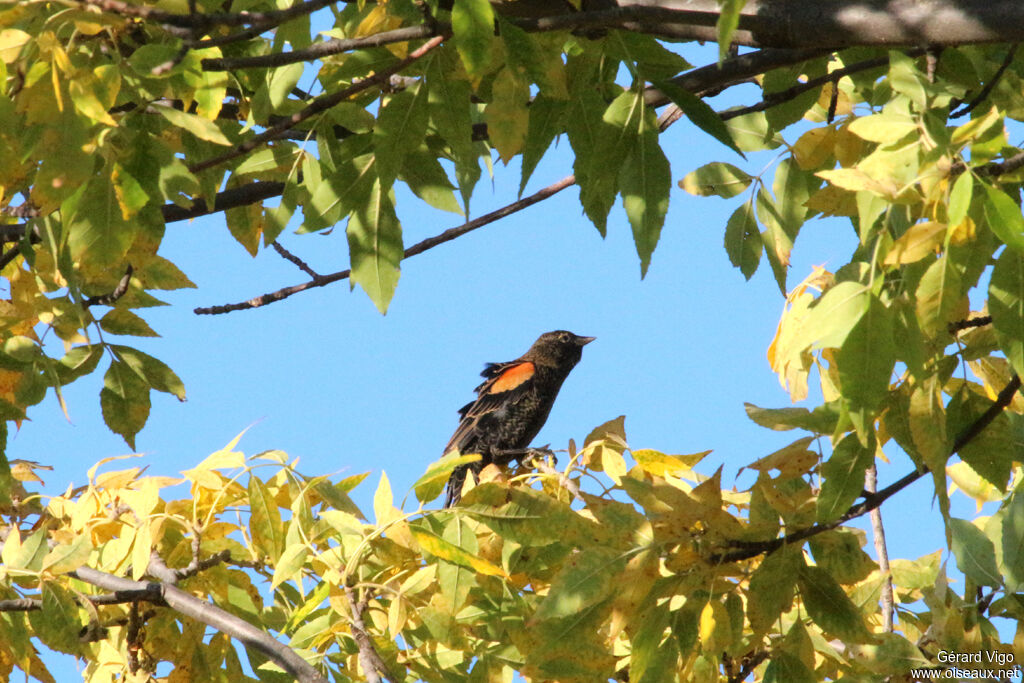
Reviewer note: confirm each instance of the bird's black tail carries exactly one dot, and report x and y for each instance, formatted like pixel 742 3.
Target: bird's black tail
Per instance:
pixel 454 492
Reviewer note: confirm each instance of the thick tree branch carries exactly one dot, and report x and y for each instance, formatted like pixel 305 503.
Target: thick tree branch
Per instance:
pixel 327 48
pixel 228 199
pixel 318 105
pixel 747 550
pixel 205 21
pixel 415 249
pixel 213 616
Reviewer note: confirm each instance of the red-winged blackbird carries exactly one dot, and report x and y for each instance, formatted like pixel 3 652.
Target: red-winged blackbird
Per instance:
pixel 512 404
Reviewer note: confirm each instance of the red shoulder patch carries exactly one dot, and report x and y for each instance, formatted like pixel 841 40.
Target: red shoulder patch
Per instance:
pixel 512 377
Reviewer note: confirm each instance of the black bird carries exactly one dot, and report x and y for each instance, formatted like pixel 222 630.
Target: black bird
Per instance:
pixel 512 404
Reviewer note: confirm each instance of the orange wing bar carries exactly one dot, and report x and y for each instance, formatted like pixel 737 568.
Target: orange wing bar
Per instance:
pixel 512 378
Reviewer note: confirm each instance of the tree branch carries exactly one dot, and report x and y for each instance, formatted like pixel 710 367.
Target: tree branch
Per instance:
pixel 206 21
pixel 319 104
pixel 878 534
pixel 111 297
pixel 369 660
pixel 985 91
pixel 747 550
pixel 327 48
pixel 417 248
pixel 211 615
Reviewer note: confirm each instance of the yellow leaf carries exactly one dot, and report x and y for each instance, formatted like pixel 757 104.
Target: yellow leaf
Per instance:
pixel 12 41
pixel 713 629
pixel 974 128
pixel 854 180
pixel 848 147
pixel 438 547
pixel 142 548
pixel 814 148
pixel 613 464
pixel 920 240
pixel 882 127
pixel 833 201
pixel 963 232
pixel 660 464
pixel 25 470
pixel 383 500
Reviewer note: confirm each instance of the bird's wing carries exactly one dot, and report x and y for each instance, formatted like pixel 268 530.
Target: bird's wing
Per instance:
pixel 505 383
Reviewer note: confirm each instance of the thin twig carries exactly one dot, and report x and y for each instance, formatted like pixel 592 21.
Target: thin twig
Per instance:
pixel 415 249
pixel 987 89
pixel 299 263
pixel 318 105
pixel 118 291
pixel 878 533
pixel 746 550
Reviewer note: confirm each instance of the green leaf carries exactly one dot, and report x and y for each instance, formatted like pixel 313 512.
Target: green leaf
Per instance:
pixel 277 156
pixel 940 296
pixel 829 606
pixel 1003 216
pixel 1006 531
pixel 289 565
pixel 717 178
pixel 123 321
pixel 449 103
pixel 865 361
pixel 78 362
pixel 820 421
pixel 473 26
pixel 67 557
pixel 990 453
pixel 124 400
pixel 960 199
pixel 401 127
pixel 506 114
pixel 843 475
pixel 375 247
pixel 428 181
pixel 784 667
pixel 27 554
pixel 728 22
pixel 645 181
pixel 545 123
pixel 700 113
pixel 58 624
pixel 456 578
pixel 155 372
pixel 1006 304
pixel 265 527
pixel 834 315
pixel 204 129
pixel 771 588
pixel 429 486
pixel 585 579
pixel 974 552
pixel 98 233
pixel 743 240
pixel 654 62
pixel 839 553
pixel 602 147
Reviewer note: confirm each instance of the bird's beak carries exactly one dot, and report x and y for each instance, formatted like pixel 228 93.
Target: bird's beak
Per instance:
pixel 583 341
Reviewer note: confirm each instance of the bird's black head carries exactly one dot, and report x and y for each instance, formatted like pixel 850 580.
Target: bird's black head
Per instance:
pixel 559 348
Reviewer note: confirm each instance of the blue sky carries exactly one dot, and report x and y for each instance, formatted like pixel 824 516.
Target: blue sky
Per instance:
pixel 324 377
